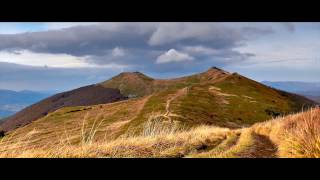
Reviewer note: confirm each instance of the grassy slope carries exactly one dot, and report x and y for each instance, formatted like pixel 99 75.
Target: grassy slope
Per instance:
pixel 131 84
pixel 225 106
pixel 291 136
pixel 213 98
pixel 255 102
pixel 69 122
pixel 239 94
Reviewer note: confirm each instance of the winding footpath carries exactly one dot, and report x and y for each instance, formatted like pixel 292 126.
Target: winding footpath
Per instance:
pixel 181 92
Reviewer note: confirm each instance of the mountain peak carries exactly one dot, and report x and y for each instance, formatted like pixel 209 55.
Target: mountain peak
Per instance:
pixel 215 68
pixel 213 71
pixel 133 75
pixel 129 72
pixel 130 84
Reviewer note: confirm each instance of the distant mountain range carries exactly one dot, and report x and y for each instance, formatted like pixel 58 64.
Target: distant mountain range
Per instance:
pixel 13 101
pixel 308 89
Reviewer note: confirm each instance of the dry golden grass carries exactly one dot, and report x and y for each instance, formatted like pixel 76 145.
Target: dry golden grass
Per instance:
pixel 157 140
pixel 105 119
pixel 295 135
pixel 291 136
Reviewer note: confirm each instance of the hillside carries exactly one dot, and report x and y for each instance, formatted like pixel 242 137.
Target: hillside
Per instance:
pixel 293 136
pixel 84 96
pixel 211 98
pixel 130 85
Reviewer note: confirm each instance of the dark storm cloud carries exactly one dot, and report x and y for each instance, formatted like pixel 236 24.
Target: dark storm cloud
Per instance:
pixel 97 39
pixel 79 40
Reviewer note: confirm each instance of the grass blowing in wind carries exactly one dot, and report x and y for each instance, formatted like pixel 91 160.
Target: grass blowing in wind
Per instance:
pixel 296 135
pixel 293 136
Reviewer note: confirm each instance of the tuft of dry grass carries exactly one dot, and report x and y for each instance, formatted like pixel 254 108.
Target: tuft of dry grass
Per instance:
pixel 171 142
pixel 295 135
pixel 302 136
pixel 156 126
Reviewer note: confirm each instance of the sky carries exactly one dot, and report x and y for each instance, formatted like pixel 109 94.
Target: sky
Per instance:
pixel 60 56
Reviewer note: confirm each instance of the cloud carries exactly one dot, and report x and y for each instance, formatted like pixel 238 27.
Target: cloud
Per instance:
pixel 129 46
pixel 28 58
pixel 94 39
pixel 214 33
pixel 289 26
pixel 200 50
pixel 63 25
pixel 219 57
pixel 118 52
pixel 79 40
pixel 25 57
pixel 173 56
pixel 72 50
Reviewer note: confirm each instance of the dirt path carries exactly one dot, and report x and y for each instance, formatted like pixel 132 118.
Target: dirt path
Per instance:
pixel 140 106
pixel 117 128
pixel 262 148
pixel 266 147
pixel 179 93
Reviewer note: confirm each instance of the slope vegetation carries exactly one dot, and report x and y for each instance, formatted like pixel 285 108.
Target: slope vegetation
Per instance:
pixel 212 98
pixel 291 136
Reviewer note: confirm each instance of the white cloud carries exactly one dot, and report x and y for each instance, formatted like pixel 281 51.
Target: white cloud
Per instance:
pixel 285 52
pixel 201 50
pixel 173 56
pixel 25 57
pixel 62 25
pixel 117 52
pixel 28 58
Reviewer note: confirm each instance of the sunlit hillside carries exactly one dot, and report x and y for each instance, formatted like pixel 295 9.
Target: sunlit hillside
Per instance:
pixel 212 98
pixel 291 136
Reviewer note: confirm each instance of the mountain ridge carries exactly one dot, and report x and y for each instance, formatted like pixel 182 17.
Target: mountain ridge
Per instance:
pixel 213 97
pixel 137 84
pixel 130 85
